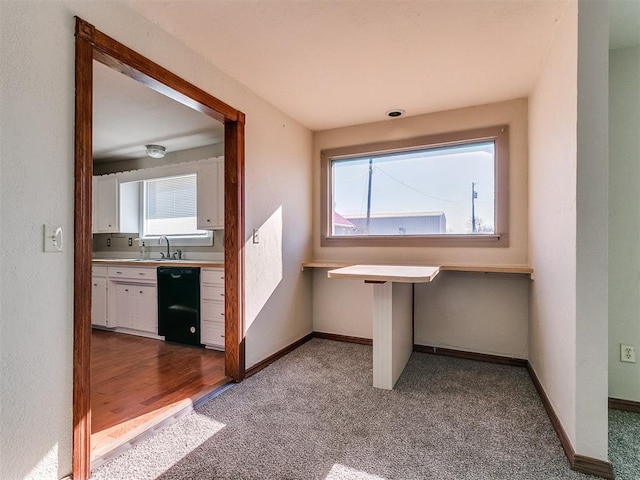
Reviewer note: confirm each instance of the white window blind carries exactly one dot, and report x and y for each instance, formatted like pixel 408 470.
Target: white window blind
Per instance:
pixel 170 206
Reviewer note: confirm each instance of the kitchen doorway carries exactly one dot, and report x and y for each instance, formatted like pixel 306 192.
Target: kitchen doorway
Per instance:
pixel 91 44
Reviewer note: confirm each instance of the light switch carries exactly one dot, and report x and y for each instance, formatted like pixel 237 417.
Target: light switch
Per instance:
pixel 52 238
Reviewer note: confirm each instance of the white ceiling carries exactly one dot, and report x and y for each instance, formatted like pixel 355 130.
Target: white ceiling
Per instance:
pixel 128 115
pixel 333 63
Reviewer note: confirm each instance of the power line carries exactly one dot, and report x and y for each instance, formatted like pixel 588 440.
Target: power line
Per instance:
pixel 415 189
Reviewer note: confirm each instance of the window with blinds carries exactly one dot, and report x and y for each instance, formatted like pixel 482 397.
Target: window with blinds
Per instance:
pixel 170 207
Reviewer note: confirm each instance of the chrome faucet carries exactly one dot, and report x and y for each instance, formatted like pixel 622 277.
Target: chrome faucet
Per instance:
pixel 167 240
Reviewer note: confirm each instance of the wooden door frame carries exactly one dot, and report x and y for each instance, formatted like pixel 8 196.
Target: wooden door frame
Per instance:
pixel 92 44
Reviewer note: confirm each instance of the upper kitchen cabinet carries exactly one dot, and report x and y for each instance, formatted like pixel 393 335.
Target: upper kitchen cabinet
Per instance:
pixel 115 205
pixel 210 194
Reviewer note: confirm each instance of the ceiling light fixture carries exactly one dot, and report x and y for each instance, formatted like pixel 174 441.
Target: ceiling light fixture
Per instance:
pixel 395 113
pixel 156 151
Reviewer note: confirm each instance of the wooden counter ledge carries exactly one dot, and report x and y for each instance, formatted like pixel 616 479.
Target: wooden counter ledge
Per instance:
pixel 517 269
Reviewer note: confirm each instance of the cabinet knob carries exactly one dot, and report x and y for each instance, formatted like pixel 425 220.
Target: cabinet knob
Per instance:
pixel 208 221
pixel 222 336
pixel 126 289
pixel 95 284
pixel 222 294
pixel 222 314
pixel 140 291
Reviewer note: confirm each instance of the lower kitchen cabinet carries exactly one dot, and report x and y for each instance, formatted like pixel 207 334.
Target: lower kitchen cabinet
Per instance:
pixel 99 301
pixel 132 299
pixel 99 296
pixel 212 319
pixel 137 307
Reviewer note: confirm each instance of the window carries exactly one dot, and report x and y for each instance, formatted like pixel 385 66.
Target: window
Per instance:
pixel 169 207
pixel 444 190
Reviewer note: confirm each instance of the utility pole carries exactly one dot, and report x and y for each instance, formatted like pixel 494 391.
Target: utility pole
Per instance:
pixel 369 194
pixel 474 195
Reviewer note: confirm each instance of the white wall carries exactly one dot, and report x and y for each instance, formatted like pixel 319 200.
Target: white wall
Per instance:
pixel 552 222
pixel 475 312
pixel 568 191
pixel 36 187
pixel 624 219
pixel 592 233
pixel 341 306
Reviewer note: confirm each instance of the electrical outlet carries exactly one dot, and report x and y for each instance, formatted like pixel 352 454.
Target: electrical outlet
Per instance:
pixel 130 241
pixel 256 236
pixel 627 353
pixel 108 242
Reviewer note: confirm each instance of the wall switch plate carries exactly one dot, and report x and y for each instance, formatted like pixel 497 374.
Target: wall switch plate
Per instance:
pixel 52 238
pixel 627 353
pixel 256 236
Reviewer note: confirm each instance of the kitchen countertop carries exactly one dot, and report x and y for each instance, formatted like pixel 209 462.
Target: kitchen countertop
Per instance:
pixel 134 262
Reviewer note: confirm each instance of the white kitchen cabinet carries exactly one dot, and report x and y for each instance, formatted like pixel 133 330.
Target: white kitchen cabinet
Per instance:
pixel 137 307
pixel 212 314
pixel 106 205
pixel 99 297
pixel 133 298
pixel 115 205
pixel 210 195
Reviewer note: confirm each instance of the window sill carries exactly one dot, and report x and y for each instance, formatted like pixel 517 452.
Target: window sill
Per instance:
pixel 496 240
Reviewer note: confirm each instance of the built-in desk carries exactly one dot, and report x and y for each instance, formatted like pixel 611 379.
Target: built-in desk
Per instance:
pixel 392 314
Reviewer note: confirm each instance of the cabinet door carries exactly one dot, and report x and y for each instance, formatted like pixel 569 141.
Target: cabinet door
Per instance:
pixel 220 193
pixel 146 308
pixel 106 204
pixel 123 306
pixel 207 208
pixel 210 195
pixel 212 334
pixel 99 302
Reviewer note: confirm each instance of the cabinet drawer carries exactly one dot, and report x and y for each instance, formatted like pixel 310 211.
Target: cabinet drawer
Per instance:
pixel 212 276
pixel 212 293
pixel 212 311
pixel 140 274
pixel 98 271
pixel 212 333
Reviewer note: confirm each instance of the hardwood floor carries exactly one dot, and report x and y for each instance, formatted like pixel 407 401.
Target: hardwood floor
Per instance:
pixel 138 382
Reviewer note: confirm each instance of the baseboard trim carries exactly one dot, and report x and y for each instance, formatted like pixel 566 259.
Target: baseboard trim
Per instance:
pixel 579 463
pixel 343 338
pixel 626 405
pixel 479 357
pixel 279 354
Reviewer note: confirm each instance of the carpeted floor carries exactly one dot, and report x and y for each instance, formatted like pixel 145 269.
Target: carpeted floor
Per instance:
pixel 314 415
pixel 624 444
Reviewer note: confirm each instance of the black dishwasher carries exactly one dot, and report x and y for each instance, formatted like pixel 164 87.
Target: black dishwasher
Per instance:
pixel 179 304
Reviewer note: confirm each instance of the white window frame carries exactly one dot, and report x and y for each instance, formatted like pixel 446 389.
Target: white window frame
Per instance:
pixel 205 239
pixel 500 237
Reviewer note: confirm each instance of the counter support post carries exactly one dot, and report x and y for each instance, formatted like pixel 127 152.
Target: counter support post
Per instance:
pixel 392 332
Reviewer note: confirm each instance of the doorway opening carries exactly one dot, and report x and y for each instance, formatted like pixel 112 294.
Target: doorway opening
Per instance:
pixel 91 44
